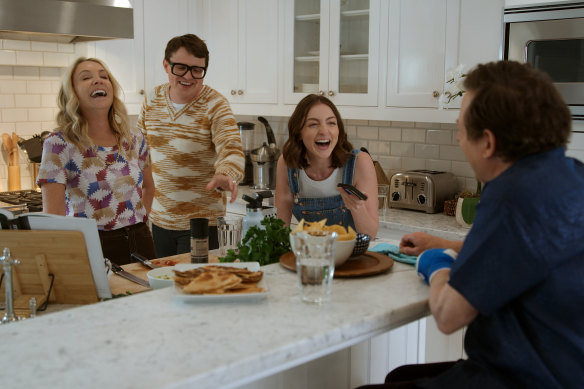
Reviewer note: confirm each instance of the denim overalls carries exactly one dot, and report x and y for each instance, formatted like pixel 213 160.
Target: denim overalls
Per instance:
pixel 315 209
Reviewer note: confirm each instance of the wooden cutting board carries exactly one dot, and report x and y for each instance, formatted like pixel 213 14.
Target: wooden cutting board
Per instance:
pixel 119 285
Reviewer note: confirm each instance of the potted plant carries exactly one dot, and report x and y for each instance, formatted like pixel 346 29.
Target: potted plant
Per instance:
pixel 466 206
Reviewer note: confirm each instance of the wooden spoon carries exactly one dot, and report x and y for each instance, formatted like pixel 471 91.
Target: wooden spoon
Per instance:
pixel 14 149
pixel 7 141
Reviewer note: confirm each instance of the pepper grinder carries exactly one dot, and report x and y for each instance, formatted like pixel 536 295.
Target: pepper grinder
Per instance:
pixel 7 262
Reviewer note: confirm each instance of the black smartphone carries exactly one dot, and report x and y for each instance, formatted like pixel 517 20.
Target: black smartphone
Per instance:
pixel 350 189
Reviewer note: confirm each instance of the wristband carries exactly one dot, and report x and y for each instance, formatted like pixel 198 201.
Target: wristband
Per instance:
pixel 430 261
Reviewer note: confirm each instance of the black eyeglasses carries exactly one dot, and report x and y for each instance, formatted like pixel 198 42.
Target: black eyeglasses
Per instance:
pixel 180 69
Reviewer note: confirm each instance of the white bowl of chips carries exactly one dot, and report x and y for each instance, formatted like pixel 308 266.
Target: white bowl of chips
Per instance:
pixel 345 238
pixel 161 277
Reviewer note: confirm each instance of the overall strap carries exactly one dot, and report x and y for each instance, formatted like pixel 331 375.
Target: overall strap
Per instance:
pixel 293 182
pixel 350 168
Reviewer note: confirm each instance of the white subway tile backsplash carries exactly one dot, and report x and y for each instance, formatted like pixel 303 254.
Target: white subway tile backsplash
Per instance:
pixel 389 133
pixel 28 129
pixel 44 46
pixel 413 163
pixel 462 169
pixel 402 149
pixel 379 123
pixel 11 44
pixel 438 164
pixel 12 86
pixel 7 57
pixel 43 87
pixel 355 122
pixel 351 131
pixel 51 73
pixel 48 101
pixel 379 148
pixel 390 164
pixel 7 101
pixel 14 115
pixel 6 72
pixel 55 86
pixel 40 114
pixel 426 125
pixel 48 126
pixel 367 132
pixel 66 47
pixel 413 135
pixel 26 73
pixel 426 151
pixel 27 101
pixel 29 58
pixel 440 137
pixel 452 153
pixel 57 59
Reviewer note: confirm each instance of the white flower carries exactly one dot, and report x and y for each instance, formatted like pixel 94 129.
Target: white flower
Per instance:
pixel 454 85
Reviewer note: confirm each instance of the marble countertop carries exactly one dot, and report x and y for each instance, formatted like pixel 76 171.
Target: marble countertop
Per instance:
pixel 151 340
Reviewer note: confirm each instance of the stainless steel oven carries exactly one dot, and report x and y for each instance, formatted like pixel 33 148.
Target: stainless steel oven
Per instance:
pixel 551 38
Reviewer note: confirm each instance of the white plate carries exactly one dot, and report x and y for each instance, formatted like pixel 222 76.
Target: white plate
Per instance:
pixel 196 298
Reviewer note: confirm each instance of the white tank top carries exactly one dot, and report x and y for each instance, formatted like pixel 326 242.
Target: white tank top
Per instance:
pixel 316 189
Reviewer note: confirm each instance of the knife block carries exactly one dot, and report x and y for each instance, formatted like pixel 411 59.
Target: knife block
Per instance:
pixel 62 254
pixel 14 177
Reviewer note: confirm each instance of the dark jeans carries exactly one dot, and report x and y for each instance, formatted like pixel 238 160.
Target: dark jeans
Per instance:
pixel 405 377
pixel 117 245
pixel 173 242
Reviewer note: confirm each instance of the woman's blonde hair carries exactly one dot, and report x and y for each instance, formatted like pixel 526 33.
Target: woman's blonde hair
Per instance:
pixel 74 126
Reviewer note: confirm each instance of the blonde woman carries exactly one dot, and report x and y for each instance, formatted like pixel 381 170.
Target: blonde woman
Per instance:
pixel 95 166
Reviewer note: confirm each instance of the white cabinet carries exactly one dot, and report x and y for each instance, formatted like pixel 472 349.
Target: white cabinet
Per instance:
pixel 242 37
pixel 332 48
pixel 163 20
pixel 421 47
pixel 125 58
pixel 428 39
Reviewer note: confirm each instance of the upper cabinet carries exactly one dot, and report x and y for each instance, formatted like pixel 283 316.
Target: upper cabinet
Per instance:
pixel 242 37
pixel 332 48
pixel 429 39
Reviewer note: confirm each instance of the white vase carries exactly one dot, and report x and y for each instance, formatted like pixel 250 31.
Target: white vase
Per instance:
pixel 465 211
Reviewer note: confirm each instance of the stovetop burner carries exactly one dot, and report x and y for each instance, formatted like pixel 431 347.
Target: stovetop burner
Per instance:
pixel 31 198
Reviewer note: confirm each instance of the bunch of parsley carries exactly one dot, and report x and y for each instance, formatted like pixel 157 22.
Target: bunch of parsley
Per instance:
pixel 262 245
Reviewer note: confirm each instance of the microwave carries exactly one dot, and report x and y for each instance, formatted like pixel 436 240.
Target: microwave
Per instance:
pixel 550 38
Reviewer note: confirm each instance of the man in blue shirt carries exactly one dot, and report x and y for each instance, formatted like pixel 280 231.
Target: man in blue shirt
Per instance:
pixel 517 281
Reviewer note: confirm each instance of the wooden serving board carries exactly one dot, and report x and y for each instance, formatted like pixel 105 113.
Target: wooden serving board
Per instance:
pixel 367 264
pixel 120 285
pixel 61 253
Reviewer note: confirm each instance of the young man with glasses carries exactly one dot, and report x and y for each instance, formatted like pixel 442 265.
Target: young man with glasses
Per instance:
pixel 195 147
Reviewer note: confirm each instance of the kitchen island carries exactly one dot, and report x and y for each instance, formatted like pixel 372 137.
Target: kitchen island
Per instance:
pixel 151 340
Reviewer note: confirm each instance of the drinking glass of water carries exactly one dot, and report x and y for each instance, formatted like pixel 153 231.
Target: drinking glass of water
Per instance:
pixel 315 264
pixel 382 198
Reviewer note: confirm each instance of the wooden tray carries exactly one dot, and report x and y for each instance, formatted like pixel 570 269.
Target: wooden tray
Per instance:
pixel 367 264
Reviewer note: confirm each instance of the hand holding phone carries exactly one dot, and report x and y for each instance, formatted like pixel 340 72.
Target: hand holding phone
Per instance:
pixel 350 189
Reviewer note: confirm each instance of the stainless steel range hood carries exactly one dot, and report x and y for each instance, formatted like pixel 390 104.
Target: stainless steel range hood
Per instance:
pixel 66 21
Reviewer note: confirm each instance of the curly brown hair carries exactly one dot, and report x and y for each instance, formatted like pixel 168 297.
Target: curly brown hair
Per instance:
pixel 192 44
pixel 294 151
pixel 520 105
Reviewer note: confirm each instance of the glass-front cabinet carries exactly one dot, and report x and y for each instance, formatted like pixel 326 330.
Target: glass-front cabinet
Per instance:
pixel 332 49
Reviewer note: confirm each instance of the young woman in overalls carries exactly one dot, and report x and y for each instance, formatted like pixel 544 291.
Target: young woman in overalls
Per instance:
pixel 315 158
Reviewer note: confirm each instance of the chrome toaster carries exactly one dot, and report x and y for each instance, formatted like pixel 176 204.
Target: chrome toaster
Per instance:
pixel 422 190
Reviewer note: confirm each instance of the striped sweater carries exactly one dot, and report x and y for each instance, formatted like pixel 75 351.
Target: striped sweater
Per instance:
pixel 187 148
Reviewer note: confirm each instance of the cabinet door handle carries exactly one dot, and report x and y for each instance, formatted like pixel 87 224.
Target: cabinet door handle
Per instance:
pixel 141 91
pixel 435 94
pixel 240 92
pixel 331 93
pixel 321 93
pixel 233 92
